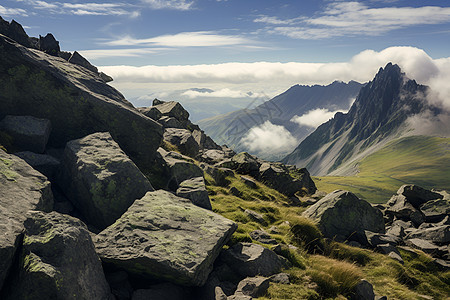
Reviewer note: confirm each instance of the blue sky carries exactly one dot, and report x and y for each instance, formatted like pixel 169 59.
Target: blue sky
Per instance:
pixel 241 49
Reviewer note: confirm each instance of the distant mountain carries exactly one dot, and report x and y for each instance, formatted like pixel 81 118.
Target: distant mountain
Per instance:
pixel 383 111
pixel 297 101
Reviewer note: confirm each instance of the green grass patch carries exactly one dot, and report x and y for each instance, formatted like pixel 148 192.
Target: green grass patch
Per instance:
pixel 420 160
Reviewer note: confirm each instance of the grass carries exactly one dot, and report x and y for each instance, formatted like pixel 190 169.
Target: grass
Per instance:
pixel 420 160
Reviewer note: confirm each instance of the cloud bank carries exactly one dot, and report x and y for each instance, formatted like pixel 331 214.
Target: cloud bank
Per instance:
pixel 269 77
pixel 269 138
pixel 315 117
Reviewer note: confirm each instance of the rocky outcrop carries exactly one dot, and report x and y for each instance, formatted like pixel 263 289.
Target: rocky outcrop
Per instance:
pixel 48 44
pixel 100 179
pixel 183 139
pixel 22 189
pixel 341 214
pixel 171 238
pixel 75 100
pixel 27 133
pixel 78 59
pixel 16 32
pixel 58 261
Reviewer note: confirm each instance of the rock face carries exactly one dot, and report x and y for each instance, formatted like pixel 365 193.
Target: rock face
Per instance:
pixel 58 261
pixel 22 189
pixel 27 133
pixel 75 100
pixel 169 238
pixel 183 139
pixel 16 32
pixel 46 164
pixel 195 190
pixel 341 214
pixel 100 180
pixel 77 59
pixel 250 260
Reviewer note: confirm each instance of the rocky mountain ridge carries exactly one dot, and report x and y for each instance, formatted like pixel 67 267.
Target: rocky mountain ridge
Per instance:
pixel 379 115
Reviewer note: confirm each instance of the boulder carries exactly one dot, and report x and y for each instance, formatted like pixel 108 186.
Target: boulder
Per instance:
pixel 341 213
pixel 180 168
pixel 439 235
pixel 16 32
pixel 282 278
pixel 22 189
pixel 218 174
pixel 249 182
pixel 46 164
pixel 262 237
pixel 170 122
pixel 100 180
pixel 165 237
pixel 213 156
pixel 78 59
pixel 245 163
pixel 27 133
pixel 249 260
pixel 435 210
pixel 151 112
pixel 375 239
pixel 75 100
pixel 391 251
pixel 48 44
pixel 172 109
pixel 363 291
pixel 417 195
pixel 183 139
pixel 204 141
pixel 219 294
pixel 162 291
pixel 58 261
pixel 253 286
pixel 105 77
pixel 278 178
pixel 194 189
pixel 256 217
pixel 425 246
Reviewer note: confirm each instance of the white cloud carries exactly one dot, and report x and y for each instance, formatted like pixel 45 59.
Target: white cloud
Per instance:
pixel 106 53
pixel 274 77
pixel 222 93
pixel 10 12
pixel 355 18
pixel 315 117
pixel 269 139
pixel 170 4
pixel 183 39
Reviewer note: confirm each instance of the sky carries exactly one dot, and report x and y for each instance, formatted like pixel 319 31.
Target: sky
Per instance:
pixel 216 56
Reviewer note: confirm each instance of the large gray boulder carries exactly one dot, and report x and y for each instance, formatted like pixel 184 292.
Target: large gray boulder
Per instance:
pixel 28 133
pixel 435 210
pixel 22 189
pixel 172 109
pixel 46 164
pixel 48 44
pixel 100 179
pixel 76 101
pixel 194 189
pixel 249 260
pixel 183 139
pixel 417 195
pixel 439 235
pixel 58 261
pixel 341 214
pixel 165 237
pixel 245 163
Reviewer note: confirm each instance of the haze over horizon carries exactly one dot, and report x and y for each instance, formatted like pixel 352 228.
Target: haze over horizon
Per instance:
pixel 223 54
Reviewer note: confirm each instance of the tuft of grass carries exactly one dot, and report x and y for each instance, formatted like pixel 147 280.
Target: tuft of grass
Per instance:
pixel 169 147
pixel 305 234
pixel 347 253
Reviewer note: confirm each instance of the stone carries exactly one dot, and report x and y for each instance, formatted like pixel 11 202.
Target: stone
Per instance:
pixel 100 180
pixel 435 210
pixel 250 260
pixel 76 101
pixel 253 286
pixel 204 141
pixel 58 261
pixel 375 239
pixel 341 213
pixel 249 182
pixel 163 291
pixel 417 195
pixel 439 235
pixel 391 251
pixel 22 189
pixel 363 291
pixel 28 133
pixel 180 168
pixel 16 32
pixel 262 237
pixel 172 109
pixel 402 209
pixel 46 164
pixel 219 294
pixel 194 189
pixel 151 112
pixel 218 174
pixel 256 217
pixel 170 122
pixel 48 44
pixel 239 297
pixel 78 59
pixel 245 163
pixel 235 192
pixel 277 177
pixel 165 237
pixel 281 278
pixel 442 264
pixel 183 139
pixel 425 246
pixel 213 156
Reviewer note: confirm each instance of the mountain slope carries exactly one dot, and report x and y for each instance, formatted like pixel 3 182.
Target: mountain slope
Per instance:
pixel 298 100
pixel 420 160
pixel 380 114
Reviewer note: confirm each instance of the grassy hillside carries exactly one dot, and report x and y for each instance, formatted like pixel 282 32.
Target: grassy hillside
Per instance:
pixel 420 160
